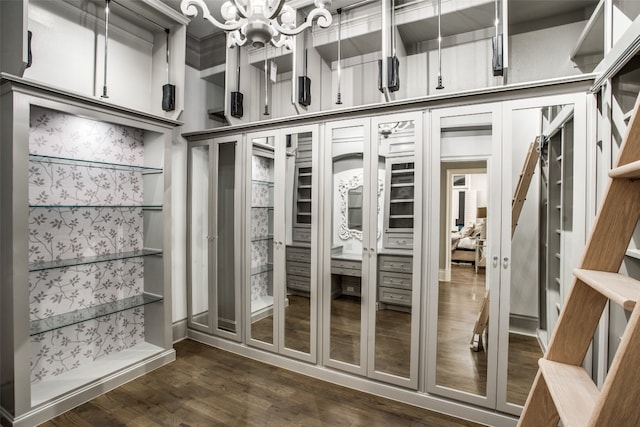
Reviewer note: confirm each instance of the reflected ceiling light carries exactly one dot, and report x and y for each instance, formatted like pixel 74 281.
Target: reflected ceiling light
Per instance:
pixel 259 21
pixel 387 129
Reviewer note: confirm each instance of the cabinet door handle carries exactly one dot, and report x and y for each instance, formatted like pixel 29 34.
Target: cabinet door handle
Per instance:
pixel 505 262
pixel 495 261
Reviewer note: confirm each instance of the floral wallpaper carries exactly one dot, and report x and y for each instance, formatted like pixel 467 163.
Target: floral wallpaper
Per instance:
pixel 261 227
pixel 61 290
pixel 66 233
pixel 83 210
pixel 56 352
pixel 65 184
pixel 53 133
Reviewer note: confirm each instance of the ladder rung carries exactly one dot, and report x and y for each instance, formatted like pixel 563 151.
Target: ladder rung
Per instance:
pixel 573 392
pixel 630 170
pixel 619 288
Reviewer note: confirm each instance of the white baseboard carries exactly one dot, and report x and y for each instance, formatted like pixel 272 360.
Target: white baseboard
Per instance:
pixel 179 330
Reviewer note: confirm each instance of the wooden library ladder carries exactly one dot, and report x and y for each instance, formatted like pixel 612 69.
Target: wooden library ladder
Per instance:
pixel 562 388
pixel 522 188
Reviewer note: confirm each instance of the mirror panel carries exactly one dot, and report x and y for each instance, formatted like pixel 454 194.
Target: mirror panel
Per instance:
pixel 463 354
pixel 345 300
pixel 261 231
pixel 547 212
pixel 396 172
pixel 226 238
pixel 299 207
pixel 199 237
pixel 461 362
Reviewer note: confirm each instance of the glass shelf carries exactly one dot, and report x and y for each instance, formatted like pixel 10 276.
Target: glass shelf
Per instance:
pixel 88 163
pixel 262 207
pixel 266 268
pixel 262 238
pixel 401 201
pixel 67 319
pixel 402 171
pixel 260 182
pixel 143 207
pixel 37 266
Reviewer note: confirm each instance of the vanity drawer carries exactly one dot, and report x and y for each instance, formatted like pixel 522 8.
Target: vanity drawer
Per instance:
pixel 395 280
pixel 395 263
pixel 346 263
pixel 299 283
pixel 301 234
pixel 399 241
pixel 346 271
pixel 395 296
pixel 297 253
pixel 299 269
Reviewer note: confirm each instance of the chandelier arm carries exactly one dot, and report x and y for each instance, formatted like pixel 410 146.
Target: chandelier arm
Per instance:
pixel 323 17
pixel 235 38
pixel 242 10
pixel 274 12
pixel 190 8
pixel 281 41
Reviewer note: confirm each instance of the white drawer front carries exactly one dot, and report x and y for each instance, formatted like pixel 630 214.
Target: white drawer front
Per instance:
pixel 395 280
pixel 395 263
pixel 299 283
pixel 395 296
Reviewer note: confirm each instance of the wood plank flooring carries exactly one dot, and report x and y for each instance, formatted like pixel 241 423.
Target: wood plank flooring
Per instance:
pixel 459 303
pixel 457 366
pixel 211 387
pixel 460 368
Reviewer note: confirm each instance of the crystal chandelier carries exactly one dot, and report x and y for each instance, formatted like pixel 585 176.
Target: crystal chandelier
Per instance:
pixel 259 21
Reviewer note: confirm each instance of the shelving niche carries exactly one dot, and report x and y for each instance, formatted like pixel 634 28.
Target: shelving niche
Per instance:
pixel 86 288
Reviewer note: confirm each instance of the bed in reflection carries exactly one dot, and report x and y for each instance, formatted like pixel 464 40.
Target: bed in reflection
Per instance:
pixel 465 242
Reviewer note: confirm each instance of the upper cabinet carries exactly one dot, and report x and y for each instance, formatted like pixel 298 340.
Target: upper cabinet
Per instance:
pixel 62 44
pixel 383 51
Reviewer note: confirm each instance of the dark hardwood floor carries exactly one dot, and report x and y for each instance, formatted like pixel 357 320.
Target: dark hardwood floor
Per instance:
pixel 457 366
pixel 459 303
pixel 211 387
pixel 460 368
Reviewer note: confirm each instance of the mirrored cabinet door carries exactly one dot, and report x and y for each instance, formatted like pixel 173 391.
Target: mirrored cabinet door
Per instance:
pixel 542 233
pixel 465 258
pixel 199 237
pixel 394 249
pixel 299 148
pixel 214 303
pixel 228 227
pixel 347 192
pixel 263 246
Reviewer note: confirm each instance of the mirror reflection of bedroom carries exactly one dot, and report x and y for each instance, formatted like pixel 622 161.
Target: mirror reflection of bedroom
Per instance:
pixel 462 282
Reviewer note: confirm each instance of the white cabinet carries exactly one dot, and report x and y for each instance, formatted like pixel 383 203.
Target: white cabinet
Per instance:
pixel 68 49
pixel 281 239
pixel 373 191
pixel 86 301
pixel 213 236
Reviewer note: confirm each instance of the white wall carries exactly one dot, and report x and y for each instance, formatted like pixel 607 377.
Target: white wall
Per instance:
pixel 543 54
